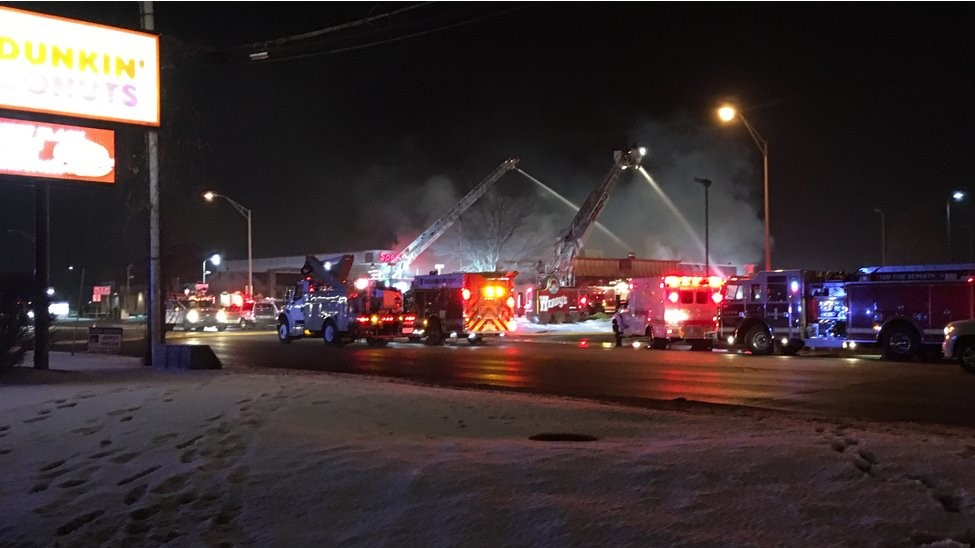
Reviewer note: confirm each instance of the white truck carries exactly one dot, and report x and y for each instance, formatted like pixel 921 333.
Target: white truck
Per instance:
pixel 323 304
pixel 670 309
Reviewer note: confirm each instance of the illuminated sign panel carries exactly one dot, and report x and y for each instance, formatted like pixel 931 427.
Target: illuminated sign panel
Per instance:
pixel 37 149
pixel 73 68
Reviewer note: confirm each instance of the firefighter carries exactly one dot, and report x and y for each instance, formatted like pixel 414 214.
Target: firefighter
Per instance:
pixel 619 322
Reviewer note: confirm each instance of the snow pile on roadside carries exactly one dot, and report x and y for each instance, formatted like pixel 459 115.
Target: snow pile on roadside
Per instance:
pixel 122 455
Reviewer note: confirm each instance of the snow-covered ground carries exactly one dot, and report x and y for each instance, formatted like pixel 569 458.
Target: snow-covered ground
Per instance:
pixel 107 452
pixel 588 326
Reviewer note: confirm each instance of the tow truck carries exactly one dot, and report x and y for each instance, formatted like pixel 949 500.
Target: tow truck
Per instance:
pixel 324 304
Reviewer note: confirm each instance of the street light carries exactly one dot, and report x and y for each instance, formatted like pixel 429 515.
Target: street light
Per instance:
pixel 209 196
pixel 883 236
pixel 956 196
pixel 726 114
pixel 215 259
pixel 707 254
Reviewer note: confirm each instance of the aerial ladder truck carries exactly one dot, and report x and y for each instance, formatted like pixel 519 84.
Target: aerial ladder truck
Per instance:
pixel 556 299
pixel 398 267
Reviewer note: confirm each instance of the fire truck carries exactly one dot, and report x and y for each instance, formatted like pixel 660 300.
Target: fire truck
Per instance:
pixel 668 309
pixel 904 309
pixel 556 298
pixel 471 305
pixel 323 304
pixel 784 311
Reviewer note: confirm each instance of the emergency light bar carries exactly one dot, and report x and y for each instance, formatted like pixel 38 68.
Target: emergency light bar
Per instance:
pixel 693 281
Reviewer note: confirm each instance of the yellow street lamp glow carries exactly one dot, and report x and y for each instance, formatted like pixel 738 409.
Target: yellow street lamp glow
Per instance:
pixel 727 113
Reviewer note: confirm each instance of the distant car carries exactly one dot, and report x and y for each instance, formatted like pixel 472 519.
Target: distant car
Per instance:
pixel 262 315
pixel 959 343
pixel 195 315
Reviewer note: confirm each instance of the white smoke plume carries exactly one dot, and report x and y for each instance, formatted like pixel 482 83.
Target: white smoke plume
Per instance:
pixel 677 152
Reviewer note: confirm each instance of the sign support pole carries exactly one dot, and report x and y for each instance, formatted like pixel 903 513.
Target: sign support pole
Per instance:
pixel 42 320
pixel 154 329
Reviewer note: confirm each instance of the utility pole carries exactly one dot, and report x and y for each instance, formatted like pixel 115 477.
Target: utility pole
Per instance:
pixel 154 316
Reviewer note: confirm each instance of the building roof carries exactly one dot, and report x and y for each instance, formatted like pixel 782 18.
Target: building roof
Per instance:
pixel 586 267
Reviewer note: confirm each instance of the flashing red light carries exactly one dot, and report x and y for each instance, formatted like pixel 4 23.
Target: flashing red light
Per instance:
pixel 582 301
pixel 584 343
pixel 388 319
pixel 466 293
pixel 970 279
pixel 362 319
pixel 410 318
pixel 511 302
pixel 716 297
pixel 673 296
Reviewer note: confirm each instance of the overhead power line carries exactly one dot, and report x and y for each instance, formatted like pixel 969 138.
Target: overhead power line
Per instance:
pixel 290 47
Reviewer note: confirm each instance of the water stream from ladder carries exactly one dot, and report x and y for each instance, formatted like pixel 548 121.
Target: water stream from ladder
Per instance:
pixel 673 208
pixel 599 225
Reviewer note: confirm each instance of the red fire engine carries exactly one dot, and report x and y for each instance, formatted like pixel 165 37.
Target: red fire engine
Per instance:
pixel 905 309
pixel 669 309
pixel 901 309
pixel 471 305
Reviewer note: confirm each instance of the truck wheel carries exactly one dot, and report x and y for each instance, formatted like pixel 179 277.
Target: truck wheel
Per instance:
pixel 222 327
pixel 434 334
pixel 658 344
pixel 759 340
pixel 475 341
pixel 330 334
pixel 376 342
pixel 966 356
pixel 901 343
pixel 284 333
pixel 242 324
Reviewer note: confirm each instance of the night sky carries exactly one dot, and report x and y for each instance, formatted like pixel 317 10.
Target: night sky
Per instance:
pixel 359 138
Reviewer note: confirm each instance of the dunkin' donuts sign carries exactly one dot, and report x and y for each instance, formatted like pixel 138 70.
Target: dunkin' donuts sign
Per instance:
pixel 73 68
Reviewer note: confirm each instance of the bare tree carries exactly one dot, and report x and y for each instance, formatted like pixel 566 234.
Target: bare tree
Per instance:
pixel 496 231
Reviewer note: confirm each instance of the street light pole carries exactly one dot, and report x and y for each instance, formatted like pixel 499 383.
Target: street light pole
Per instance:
pixel 728 113
pixel 209 196
pixel 883 236
pixel 956 196
pixel 707 252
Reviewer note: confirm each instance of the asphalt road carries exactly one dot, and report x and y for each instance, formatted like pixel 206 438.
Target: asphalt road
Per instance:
pixel 862 387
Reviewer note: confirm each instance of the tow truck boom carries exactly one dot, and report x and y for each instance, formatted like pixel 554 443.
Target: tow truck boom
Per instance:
pixel 315 267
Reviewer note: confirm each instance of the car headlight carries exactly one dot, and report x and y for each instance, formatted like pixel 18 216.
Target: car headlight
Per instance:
pixel 949 329
pixel 193 316
pixel 222 316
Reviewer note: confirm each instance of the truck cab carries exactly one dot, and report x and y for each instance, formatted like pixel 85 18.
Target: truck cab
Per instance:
pixel 784 311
